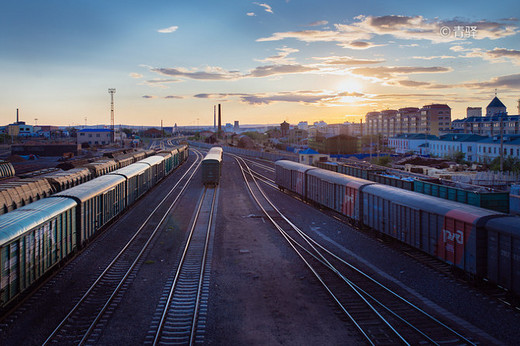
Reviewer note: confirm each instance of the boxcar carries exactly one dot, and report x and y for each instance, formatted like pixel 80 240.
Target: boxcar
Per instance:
pixel 101 167
pixel 211 168
pixel 138 180
pixel 336 191
pixel 216 151
pixel 168 161
pixel 99 201
pixel 503 252
pixel 451 231
pixel 33 239
pixel 156 164
pixel 291 175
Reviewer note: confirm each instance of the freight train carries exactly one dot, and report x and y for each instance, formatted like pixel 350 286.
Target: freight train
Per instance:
pixel 211 166
pixel 16 192
pixel 483 243
pixel 41 235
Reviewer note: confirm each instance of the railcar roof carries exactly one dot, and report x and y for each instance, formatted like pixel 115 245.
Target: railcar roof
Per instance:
pixel 25 218
pixel 288 164
pixel 152 160
pixel 93 187
pixel 338 178
pixel 212 157
pixel 506 225
pixel 131 170
pixel 425 202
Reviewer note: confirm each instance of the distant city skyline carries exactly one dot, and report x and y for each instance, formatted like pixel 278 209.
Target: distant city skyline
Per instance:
pixel 265 62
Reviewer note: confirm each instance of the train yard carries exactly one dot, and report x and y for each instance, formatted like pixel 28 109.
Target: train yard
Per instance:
pixel 260 267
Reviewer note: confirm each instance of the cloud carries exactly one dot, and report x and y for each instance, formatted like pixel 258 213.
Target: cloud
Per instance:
pixel 159 83
pixel 136 75
pixel 508 81
pixel 168 30
pixel 511 54
pixel 250 14
pixel 218 73
pixel 347 60
pixel 308 97
pixel 411 83
pixel 434 57
pixel 211 73
pixel 161 97
pixel 458 48
pixel 497 55
pixel 364 28
pixel 266 6
pixel 281 57
pixel 318 23
pixel 269 70
pixel 386 72
pixel 217 95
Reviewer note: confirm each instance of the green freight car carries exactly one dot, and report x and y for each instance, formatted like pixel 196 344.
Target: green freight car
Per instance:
pixel 492 200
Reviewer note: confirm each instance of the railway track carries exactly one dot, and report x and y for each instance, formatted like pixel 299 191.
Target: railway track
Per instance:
pixel 86 320
pixel 380 315
pixel 181 315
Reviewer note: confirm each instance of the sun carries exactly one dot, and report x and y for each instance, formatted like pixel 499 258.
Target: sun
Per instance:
pixel 349 85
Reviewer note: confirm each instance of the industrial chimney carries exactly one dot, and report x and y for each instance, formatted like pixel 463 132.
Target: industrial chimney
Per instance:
pixel 219 132
pixel 17 115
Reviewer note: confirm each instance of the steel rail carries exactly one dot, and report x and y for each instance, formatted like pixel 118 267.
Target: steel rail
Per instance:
pixel 355 287
pixel 111 264
pixel 180 267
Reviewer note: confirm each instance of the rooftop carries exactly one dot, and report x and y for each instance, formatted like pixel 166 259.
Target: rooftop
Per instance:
pixel 496 103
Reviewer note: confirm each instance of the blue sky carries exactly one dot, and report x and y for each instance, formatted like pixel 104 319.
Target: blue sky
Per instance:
pixel 265 62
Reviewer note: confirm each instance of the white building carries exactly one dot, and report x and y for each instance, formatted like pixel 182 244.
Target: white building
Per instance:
pixel 94 136
pixel 450 144
pixel 416 143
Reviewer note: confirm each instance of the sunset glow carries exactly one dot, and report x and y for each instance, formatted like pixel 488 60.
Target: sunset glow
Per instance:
pixel 295 60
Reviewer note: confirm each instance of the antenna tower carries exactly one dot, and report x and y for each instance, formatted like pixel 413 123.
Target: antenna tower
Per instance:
pixel 112 91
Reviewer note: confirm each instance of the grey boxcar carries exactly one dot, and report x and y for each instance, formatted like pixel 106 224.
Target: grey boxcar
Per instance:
pixel 138 180
pixel 211 168
pixel 336 191
pixel 503 252
pixel 291 175
pixel 100 200
pixel 157 167
pixel 451 231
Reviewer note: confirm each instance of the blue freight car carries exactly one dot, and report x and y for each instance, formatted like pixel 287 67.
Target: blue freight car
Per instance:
pixel 33 239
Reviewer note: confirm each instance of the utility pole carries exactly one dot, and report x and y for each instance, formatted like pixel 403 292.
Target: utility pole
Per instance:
pixel 112 91
pixel 501 146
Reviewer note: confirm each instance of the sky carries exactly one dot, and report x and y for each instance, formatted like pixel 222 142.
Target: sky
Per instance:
pixel 264 62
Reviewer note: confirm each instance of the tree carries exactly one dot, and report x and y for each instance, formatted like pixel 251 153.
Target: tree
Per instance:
pixel 458 157
pixel 382 161
pixel 511 164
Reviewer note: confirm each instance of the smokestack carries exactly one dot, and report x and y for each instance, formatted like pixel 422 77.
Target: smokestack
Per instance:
pixel 214 118
pixel 16 114
pixel 219 121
